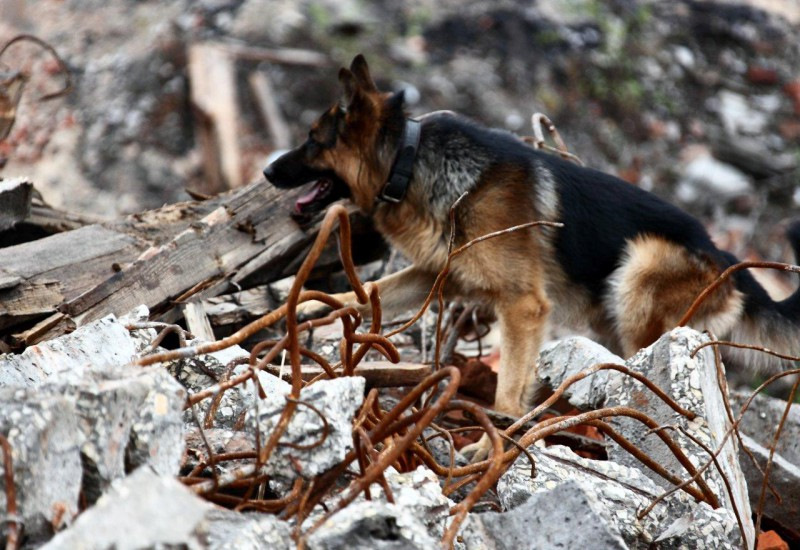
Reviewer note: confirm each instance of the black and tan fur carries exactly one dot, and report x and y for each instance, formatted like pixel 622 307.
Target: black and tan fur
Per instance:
pixel 625 264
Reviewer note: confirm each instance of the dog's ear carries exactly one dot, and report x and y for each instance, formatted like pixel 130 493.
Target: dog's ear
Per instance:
pixel 360 70
pixel 349 86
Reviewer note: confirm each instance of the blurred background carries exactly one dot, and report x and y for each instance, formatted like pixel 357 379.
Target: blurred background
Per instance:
pixel 698 101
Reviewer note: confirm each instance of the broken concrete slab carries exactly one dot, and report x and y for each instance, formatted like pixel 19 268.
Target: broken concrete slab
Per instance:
pixel 564 517
pixel 784 477
pixel 693 383
pixel 337 401
pixel 372 526
pixel 142 510
pixel 145 510
pixel 569 356
pixel 106 411
pixel 100 346
pixel 45 440
pixel 127 421
pixel 761 419
pixel 616 494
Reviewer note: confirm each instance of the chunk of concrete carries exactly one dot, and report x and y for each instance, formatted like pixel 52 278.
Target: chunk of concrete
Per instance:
pixel 692 382
pixel 372 526
pixel 157 431
pixel 564 517
pixel 616 494
pixel 570 356
pixel 198 373
pixel 143 510
pixel 761 419
pixel 45 443
pixel 127 421
pixel 784 477
pixel 337 401
pixel 100 346
pixel 227 530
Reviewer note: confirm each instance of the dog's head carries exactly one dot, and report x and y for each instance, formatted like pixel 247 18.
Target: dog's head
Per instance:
pixel 349 149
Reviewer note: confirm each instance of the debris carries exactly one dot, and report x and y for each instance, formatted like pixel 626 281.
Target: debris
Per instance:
pixel 42 430
pixel 125 517
pixel 319 435
pixel 372 525
pixel 566 516
pixel 616 494
pixel 263 92
pixel 784 478
pixel 564 358
pixel 694 383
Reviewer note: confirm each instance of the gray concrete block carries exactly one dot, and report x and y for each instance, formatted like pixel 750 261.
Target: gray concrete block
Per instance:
pixel 45 441
pixel 692 382
pixel 567 357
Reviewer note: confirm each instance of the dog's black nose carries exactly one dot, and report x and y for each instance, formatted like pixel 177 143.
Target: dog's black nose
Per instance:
pixel 269 173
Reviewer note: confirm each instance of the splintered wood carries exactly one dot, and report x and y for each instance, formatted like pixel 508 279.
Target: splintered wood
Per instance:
pixel 159 258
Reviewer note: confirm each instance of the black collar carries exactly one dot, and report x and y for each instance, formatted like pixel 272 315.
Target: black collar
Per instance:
pixel 403 167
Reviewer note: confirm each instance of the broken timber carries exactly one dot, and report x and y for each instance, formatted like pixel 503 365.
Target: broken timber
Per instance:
pixel 157 258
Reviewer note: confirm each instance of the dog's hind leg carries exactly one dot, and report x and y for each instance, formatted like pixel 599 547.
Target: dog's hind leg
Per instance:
pixel 523 320
pixel 656 282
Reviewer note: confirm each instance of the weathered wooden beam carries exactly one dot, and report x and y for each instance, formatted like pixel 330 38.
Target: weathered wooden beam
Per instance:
pixel 212 76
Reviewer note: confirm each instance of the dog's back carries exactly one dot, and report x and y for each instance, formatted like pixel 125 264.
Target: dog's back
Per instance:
pixel 626 262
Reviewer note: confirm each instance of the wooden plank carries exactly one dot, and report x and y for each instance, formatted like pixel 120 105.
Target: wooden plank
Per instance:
pixel 270 112
pixel 212 76
pixel 214 247
pixel 24 302
pixel 197 321
pixel 44 257
pixel 378 374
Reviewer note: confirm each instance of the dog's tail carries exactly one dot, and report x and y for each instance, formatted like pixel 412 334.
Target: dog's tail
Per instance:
pixel 772 324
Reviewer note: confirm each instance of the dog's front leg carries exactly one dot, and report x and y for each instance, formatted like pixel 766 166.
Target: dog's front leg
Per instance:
pixel 522 324
pixel 401 291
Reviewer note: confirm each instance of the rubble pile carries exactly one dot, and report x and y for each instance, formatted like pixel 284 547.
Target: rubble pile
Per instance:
pixel 117 441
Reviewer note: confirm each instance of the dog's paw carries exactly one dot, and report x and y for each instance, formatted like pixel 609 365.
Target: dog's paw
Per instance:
pixel 479 451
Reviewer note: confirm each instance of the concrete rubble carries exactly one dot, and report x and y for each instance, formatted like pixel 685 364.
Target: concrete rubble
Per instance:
pixel 565 358
pixel 336 400
pixel 42 430
pixel 758 427
pixel 615 494
pixel 693 383
pixel 145 510
pixel 122 433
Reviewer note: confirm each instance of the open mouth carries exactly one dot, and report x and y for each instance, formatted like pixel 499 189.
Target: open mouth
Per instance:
pixel 323 192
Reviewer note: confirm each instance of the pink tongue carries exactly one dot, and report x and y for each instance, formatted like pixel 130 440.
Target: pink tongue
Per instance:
pixel 309 197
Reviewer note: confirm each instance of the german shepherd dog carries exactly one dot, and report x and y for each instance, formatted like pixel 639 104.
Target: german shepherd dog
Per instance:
pixel 625 264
